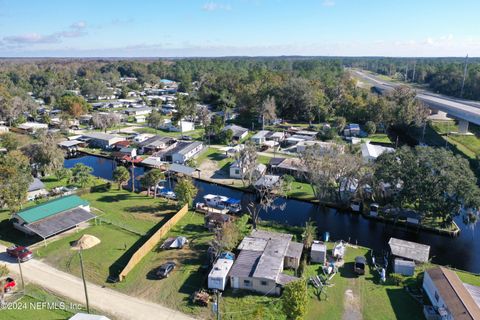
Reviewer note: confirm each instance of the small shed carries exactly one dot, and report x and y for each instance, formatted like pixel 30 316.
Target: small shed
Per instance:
pixel 318 252
pixel 218 276
pixel 404 267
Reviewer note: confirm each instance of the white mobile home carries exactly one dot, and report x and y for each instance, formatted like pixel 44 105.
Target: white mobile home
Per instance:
pixel 218 276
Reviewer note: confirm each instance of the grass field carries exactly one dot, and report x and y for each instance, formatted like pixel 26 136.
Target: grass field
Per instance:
pixel 187 277
pixel 33 310
pixel 133 217
pixel 379 137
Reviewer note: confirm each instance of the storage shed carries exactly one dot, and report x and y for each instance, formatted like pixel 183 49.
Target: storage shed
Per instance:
pixel 318 252
pixel 404 267
pixel 409 250
pixel 218 276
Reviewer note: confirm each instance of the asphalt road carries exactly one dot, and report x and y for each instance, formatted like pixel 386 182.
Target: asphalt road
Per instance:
pixel 116 304
pixel 456 107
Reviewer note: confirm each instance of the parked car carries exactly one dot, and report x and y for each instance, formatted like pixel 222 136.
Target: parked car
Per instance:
pixel 187 138
pixel 359 266
pixel 164 270
pixel 9 284
pixel 20 252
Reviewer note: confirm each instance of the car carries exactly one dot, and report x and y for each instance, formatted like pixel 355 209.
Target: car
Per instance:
pixel 359 266
pixel 164 270
pixel 187 138
pixel 20 252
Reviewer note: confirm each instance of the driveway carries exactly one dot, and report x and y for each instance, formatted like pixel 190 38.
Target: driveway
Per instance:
pixel 114 303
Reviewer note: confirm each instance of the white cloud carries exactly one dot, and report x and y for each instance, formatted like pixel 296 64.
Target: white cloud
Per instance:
pixel 214 6
pixel 76 29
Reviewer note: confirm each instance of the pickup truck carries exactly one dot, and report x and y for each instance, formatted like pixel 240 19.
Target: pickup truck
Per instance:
pixel 20 252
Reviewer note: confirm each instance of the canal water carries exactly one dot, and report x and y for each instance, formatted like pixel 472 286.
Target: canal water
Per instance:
pixel 461 252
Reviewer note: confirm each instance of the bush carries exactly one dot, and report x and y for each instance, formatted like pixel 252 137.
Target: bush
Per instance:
pixel 295 300
pixel 370 127
pixel 396 279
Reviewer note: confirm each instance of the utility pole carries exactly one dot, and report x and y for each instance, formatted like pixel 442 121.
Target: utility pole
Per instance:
pixel 21 274
pixel 464 75
pixel 83 278
pixel 133 176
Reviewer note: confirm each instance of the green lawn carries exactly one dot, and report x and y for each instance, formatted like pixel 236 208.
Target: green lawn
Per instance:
pixel 136 212
pixel 133 217
pixel 216 155
pixel 467 144
pixel 301 190
pixel 187 277
pixel 379 137
pixel 36 295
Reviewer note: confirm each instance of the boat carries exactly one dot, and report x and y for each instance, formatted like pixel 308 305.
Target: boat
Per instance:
pixel 326 236
pixel 167 193
pixel 339 250
pixel 222 202
pixel 203 208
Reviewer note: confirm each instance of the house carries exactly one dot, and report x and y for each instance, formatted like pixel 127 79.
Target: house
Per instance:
pixel 262 259
pixel 32 127
pixel 296 138
pixel 141 111
pixel 238 132
pixel 370 152
pixel 141 137
pixel 290 166
pixel 85 119
pixel 53 217
pixel 101 140
pixel 155 143
pixel 321 147
pixel 181 126
pixel 183 151
pixel 238 173
pixel 276 136
pixel 409 250
pixel 260 137
pixel 36 189
pixel 123 153
pixel 86 316
pixel 451 299
pixel 140 119
pixel 218 276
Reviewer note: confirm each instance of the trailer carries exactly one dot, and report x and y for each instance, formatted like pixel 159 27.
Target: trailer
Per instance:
pixel 218 276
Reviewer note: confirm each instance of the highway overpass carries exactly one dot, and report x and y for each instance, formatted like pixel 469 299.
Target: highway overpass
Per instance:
pixel 465 111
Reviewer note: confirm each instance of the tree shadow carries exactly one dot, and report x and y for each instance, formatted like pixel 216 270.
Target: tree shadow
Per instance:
pixel 114 198
pixel 346 271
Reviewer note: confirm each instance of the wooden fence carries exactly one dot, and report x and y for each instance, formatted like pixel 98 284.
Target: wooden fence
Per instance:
pixel 151 242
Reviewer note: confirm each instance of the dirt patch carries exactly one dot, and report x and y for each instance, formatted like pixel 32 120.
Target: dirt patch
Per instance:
pixel 352 307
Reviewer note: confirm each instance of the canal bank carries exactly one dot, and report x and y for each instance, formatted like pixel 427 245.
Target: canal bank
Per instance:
pixel 462 252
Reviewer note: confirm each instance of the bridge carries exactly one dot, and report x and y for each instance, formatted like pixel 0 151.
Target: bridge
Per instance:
pixel 465 111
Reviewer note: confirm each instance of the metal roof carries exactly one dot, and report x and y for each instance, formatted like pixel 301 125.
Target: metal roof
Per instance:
pixel 100 136
pixel 270 263
pixel 456 297
pixel 294 250
pixel 410 250
pixel 245 263
pixel 178 168
pixel 36 185
pixel 52 225
pixel 51 208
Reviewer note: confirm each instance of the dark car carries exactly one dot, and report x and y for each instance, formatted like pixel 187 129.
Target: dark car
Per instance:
pixel 20 252
pixel 187 138
pixel 359 266
pixel 164 270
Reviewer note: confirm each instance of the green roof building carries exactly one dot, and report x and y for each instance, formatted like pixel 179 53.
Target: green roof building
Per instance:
pixel 54 216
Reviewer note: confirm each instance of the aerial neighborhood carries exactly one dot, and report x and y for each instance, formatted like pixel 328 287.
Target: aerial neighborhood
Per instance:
pixel 238 187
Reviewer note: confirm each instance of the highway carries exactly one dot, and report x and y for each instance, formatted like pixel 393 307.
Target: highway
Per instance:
pixel 461 109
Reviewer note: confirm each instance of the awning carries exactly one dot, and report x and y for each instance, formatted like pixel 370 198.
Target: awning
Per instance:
pixel 60 222
pixel 232 201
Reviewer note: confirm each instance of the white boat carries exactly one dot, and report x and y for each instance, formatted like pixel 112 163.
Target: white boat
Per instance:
pixel 339 250
pixel 167 193
pixel 355 205
pixel 222 202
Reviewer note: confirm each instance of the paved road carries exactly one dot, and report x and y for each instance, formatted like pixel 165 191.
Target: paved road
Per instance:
pixel 119 305
pixel 458 108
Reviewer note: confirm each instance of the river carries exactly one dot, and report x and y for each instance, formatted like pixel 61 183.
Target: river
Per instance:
pixel 462 252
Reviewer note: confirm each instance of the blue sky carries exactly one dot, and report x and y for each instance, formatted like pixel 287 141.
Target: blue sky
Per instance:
pixel 239 27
